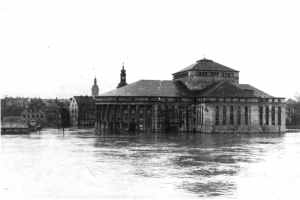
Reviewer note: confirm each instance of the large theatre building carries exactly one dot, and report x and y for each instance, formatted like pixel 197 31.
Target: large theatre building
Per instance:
pixel 205 97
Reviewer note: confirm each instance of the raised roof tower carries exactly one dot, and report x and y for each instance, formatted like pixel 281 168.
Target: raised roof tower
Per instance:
pixel 204 73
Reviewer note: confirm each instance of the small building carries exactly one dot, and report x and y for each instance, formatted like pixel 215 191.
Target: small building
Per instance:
pixel 82 111
pixel 52 113
pixel 205 97
pixel 11 106
pixel 32 116
pixel 14 125
pixel 292 114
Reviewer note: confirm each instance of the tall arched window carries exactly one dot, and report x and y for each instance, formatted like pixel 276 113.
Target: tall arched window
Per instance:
pixel 217 115
pixel 231 115
pixel 267 115
pixel 273 115
pixel 239 115
pixel 279 116
pixel 224 115
pixel 246 115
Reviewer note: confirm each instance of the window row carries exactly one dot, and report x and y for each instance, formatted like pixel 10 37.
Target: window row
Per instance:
pixel 207 74
pixel 224 110
pixel 33 116
pixel 265 115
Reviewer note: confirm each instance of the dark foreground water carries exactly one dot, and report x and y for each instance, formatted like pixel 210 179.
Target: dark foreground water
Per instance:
pixel 80 165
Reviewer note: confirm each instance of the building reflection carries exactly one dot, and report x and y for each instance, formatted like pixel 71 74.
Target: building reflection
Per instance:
pixel 201 164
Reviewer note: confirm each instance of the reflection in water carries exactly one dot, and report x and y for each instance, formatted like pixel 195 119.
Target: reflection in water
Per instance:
pixel 82 165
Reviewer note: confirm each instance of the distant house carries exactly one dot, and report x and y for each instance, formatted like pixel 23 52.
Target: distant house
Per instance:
pixel 14 125
pixel 52 114
pixel 34 116
pixel 292 113
pixel 13 106
pixel 82 111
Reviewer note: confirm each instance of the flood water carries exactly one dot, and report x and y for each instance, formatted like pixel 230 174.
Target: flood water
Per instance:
pixel 81 165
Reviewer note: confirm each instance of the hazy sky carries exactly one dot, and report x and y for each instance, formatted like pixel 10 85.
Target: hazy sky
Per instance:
pixel 55 48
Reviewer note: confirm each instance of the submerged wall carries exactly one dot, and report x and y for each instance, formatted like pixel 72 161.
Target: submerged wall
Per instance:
pixel 213 115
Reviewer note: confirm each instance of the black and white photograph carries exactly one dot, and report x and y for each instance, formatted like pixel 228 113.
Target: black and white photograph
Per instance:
pixel 150 99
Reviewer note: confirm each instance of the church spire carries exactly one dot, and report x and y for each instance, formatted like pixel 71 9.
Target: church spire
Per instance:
pixel 95 88
pixel 122 77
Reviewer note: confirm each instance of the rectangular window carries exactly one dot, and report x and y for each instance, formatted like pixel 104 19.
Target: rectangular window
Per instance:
pixel 202 114
pixel 273 115
pixel 279 116
pixel 217 115
pixel 267 115
pixel 261 115
pixel 246 115
pixel 224 115
pixel 231 115
pixel 239 116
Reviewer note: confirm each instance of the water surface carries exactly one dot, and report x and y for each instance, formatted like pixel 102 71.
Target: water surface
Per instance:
pixel 81 165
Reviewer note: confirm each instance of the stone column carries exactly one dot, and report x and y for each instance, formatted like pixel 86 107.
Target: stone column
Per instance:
pixel 106 117
pixel 263 115
pixel 102 117
pixel 276 115
pixel 270 115
pixel 145 118
pixel 254 115
pixel 187 123
pixel 283 116
pixel 235 114
pixel 150 117
pixel 220 114
pixel 155 117
pixel 227 115
pixel 243 114
pixel 129 116
pixel 98 120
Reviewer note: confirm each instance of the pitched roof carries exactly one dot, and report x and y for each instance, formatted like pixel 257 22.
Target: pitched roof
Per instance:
pixel 228 89
pixel 168 88
pixel 146 88
pixel 257 92
pixel 84 100
pixel 206 65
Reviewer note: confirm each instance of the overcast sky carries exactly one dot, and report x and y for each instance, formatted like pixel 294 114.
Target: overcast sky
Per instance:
pixel 55 48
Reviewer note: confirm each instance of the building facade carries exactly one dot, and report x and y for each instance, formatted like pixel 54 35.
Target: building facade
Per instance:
pixel 82 111
pixel 36 117
pixel 292 114
pixel 205 97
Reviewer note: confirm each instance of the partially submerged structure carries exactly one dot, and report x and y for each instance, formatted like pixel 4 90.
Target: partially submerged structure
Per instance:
pixel 205 97
pixel 82 111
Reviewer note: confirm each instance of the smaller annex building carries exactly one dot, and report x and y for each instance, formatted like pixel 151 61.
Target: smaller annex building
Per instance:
pixel 205 97
pixel 82 111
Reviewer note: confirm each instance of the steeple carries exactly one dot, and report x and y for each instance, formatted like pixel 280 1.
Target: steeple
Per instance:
pixel 95 88
pixel 122 77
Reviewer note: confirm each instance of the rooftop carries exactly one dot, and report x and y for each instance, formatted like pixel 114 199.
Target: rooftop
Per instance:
pixel 168 88
pixel 84 100
pixel 206 65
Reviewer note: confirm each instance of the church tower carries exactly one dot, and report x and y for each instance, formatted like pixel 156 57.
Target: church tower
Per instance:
pixel 122 78
pixel 95 88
